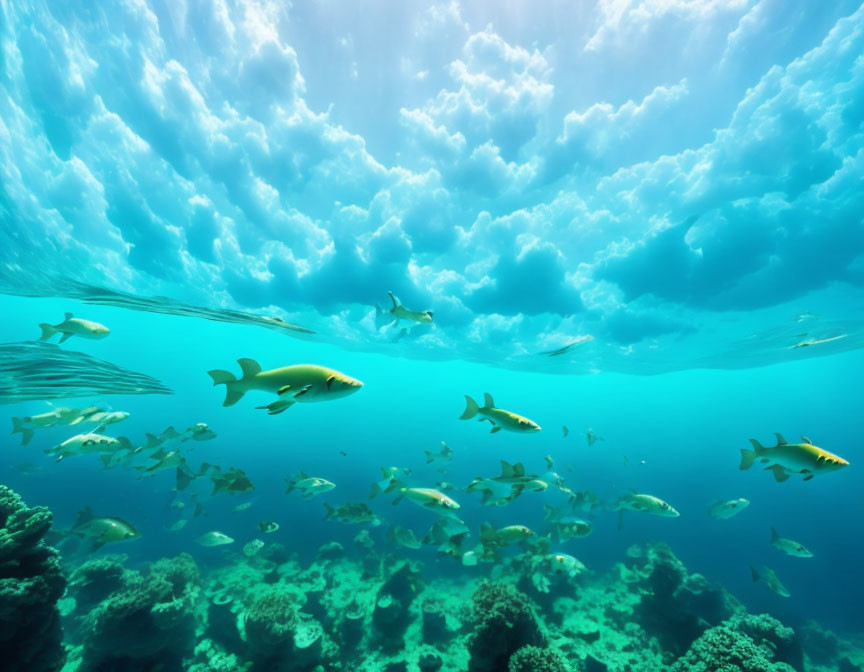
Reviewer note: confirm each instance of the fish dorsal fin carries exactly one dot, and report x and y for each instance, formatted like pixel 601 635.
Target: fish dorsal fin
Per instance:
pixel 68 316
pixel 780 440
pixel 158 454
pixel 507 470
pixel 250 367
pixel 774 535
pixel 84 515
pixel 518 469
pixel 488 401
pixel 806 440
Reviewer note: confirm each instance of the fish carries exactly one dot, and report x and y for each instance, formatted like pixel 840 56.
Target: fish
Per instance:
pixel 444 454
pixel 815 341
pixel 788 546
pixel 562 563
pixel 73 326
pixel 102 530
pixel 165 460
pixel 565 431
pixel 83 444
pixel 402 536
pixel 252 547
pixel 550 463
pixel 305 383
pixel 443 530
pixel 503 489
pixel 198 432
pixel 504 536
pixel 399 312
pixel 727 509
pixel 358 513
pixel 581 340
pixel 177 525
pixel 570 528
pixel 428 498
pixel 390 477
pixel 268 526
pixel 786 459
pixel 498 417
pixel 644 504
pixel 214 538
pixel 242 507
pixel 104 418
pixel 233 481
pixel 769 578
pixel 591 437
pixel 27 425
pixel 586 501
pixel 308 485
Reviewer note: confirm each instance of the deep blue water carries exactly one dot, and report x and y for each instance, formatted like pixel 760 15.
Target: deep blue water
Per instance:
pixel 680 434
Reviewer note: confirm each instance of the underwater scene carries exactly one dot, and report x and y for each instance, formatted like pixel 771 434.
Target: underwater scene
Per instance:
pixel 431 337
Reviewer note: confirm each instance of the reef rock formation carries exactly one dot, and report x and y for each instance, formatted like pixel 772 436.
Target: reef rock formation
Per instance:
pixel 504 621
pixel 31 583
pixel 675 606
pixel 144 622
pixel 745 643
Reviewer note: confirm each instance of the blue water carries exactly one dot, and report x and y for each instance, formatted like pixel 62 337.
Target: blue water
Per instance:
pixel 639 217
pixel 680 434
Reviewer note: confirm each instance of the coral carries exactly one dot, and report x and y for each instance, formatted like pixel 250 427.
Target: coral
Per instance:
pixel 676 607
pixel 31 583
pixel 742 644
pixel 270 621
pixel 504 621
pixel 209 658
pixel 93 581
pixel 535 659
pixel 148 622
pixel 429 662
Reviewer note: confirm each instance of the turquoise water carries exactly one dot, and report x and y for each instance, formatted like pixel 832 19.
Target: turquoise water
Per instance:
pixel 686 427
pixel 638 218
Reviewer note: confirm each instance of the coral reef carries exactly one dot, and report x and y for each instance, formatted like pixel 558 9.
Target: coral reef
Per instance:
pixel 147 621
pixel 31 583
pixel 743 644
pixel 361 608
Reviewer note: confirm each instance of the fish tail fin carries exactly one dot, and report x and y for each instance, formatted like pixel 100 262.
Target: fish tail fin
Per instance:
pixel 106 460
pixel 170 433
pixel 226 378
pixel 488 401
pixel 394 300
pixel 152 441
pixel 47 331
pixel 330 511
pixel 748 457
pixel 374 491
pixel 395 484
pixel 754 573
pixel 774 535
pixel 125 443
pixel 26 435
pixel 471 409
pixel 548 511
pixel 429 456
pixel 19 428
pixel 290 483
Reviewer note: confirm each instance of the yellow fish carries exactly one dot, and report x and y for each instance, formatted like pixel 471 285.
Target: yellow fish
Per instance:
pixel 304 383
pixel 499 418
pixel 786 459
pixel 73 326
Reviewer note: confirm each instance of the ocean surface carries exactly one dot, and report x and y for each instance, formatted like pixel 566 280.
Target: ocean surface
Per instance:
pixel 634 221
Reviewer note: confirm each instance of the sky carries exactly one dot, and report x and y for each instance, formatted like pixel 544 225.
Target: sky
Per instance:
pixel 644 172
